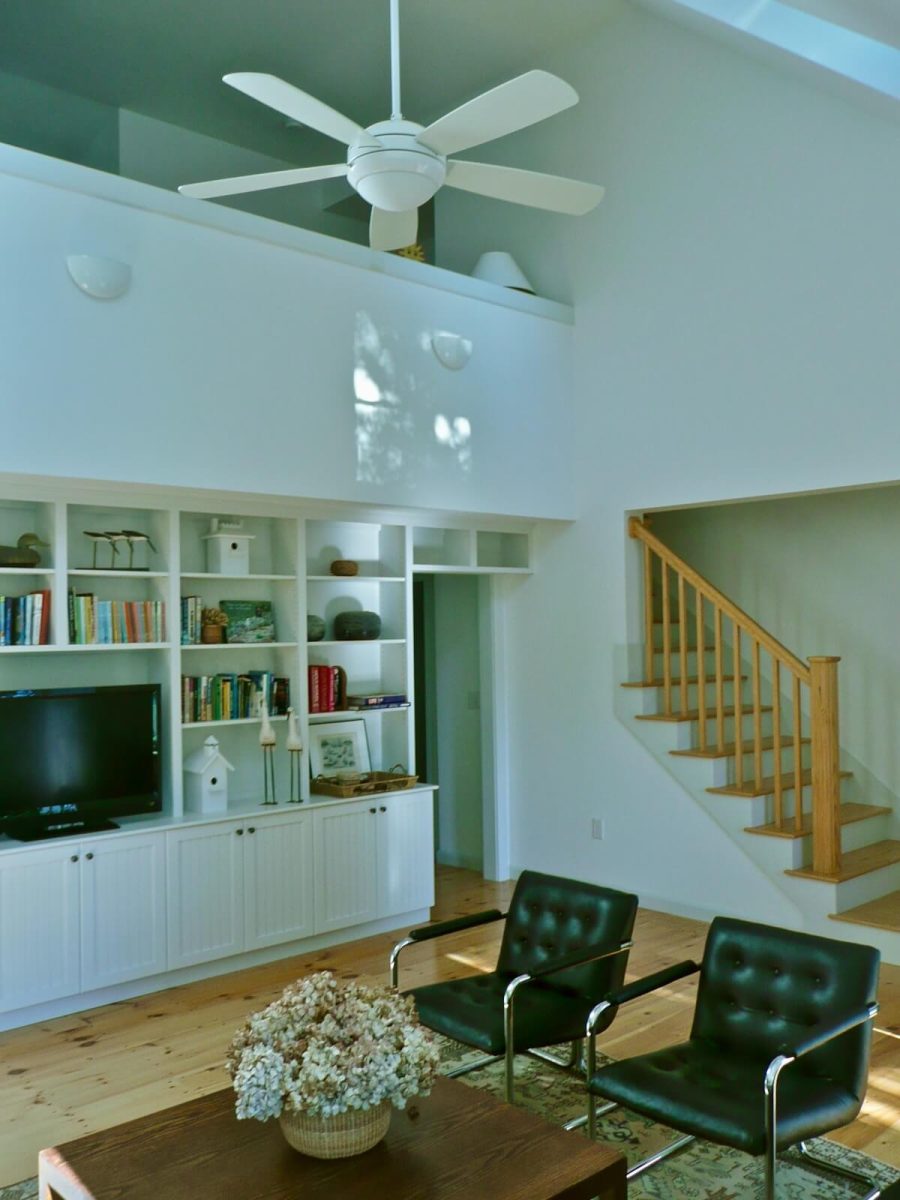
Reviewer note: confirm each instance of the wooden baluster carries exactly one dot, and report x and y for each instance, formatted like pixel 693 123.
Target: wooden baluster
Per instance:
pixel 776 731
pixel 682 645
pixel 826 779
pixel 757 719
pixel 667 641
pixel 720 684
pixel 701 669
pixel 738 709
pixel 798 758
pixel 648 614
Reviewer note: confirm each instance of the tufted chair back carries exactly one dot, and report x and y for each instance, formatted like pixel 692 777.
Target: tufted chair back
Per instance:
pixel 550 917
pixel 763 988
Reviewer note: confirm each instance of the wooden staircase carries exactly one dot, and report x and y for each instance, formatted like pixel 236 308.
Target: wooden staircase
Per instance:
pixel 769 723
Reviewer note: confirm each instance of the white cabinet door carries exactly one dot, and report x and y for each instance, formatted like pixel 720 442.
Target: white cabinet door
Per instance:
pixel 278 879
pixel 204 867
pixel 123 909
pixel 405 853
pixel 39 925
pixel 345 845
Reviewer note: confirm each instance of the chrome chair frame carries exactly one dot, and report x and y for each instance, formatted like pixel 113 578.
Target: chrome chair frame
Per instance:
pixel 770 1084
pixel 576 1057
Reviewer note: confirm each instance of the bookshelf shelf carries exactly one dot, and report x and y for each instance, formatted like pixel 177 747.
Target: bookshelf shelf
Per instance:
pixel 361 642
pixel 345 579
pixel 339 713
pixel 27 572
pixel 88 647
pixel 239 646
pixel 239 578
pixel 112 573
pixel 237 721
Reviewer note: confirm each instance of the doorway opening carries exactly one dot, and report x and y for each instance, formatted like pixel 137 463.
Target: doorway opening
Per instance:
pixel 453 623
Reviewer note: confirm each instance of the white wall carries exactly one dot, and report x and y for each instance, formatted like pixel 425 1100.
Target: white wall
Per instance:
pixel 458 720
pixel 736 298
pixel 250 356
pixel 823 574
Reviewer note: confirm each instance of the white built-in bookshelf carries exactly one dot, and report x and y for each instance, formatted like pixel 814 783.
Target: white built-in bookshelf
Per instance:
pixel 291 553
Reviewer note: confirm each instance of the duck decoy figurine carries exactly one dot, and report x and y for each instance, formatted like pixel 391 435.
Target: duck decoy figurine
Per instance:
pixel 23 554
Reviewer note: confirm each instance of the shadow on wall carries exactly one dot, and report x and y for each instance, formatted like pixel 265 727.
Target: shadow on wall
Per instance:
pixel 400 432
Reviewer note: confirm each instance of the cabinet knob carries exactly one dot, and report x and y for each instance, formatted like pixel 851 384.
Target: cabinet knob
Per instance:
pixel 239 832
pixel 371 810
pixel 89 855
pixel 381 808
pixel 252 829
pixel 74 858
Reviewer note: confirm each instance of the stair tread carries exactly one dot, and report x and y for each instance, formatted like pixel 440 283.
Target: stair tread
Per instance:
pixel 883 913
pixel 693 714
pixel 658 683
pixel 848 813
pixel 728 748
pixel 674 648
pixel 856 862
pixel 766 786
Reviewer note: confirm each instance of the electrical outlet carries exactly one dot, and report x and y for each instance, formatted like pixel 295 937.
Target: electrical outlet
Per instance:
pixel 598 829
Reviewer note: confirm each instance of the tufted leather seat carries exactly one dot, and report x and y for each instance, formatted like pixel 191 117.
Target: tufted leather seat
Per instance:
pixel 763 992
pixel 550 919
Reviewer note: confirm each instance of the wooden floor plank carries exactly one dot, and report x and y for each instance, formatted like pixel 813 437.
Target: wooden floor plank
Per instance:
pixel 77 1074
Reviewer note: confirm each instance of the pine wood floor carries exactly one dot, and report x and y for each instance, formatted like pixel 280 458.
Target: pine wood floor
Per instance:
pixel 74 1075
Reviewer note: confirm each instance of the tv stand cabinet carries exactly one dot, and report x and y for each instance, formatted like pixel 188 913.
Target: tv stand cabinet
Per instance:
pixel 90 920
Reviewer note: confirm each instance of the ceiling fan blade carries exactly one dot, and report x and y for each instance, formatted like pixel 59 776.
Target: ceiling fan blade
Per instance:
pixel 552 192
pixel 259 183
pixel 392 230
pixel 513 105
pixel 299 106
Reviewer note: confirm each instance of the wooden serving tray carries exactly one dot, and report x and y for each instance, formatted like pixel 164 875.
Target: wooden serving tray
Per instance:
pixel 367 785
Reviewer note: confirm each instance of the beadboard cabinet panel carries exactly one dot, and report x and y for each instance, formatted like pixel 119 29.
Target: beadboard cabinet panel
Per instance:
pixel 123 910
pixel 278 880
pixel 405 853
pixel 39 926
pixel 346 882
pixel 205 882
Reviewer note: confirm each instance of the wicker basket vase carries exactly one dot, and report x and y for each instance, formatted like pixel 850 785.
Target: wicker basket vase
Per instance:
pixel 341 1136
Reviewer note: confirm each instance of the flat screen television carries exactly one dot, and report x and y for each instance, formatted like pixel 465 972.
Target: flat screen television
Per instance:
pixel 71 759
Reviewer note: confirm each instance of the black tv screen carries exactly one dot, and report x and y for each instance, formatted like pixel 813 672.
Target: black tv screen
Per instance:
pixel 72 758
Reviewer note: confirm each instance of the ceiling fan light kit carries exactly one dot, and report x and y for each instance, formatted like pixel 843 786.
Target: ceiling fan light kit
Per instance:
pixel 397 165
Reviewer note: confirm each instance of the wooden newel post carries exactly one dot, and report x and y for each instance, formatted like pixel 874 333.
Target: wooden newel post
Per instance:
pixel 826 780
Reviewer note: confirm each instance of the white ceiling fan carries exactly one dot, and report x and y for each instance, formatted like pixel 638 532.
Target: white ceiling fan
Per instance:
pixel 396 165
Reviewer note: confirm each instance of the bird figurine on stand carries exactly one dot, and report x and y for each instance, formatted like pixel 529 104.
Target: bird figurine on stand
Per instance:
pixel 267 742
pixel 295 749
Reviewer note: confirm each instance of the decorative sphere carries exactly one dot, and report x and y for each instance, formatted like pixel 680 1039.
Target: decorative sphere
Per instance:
pixel 357 626
pixel 315 628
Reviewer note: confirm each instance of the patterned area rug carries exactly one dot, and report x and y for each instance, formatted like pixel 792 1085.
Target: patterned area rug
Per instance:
pixel 701 1172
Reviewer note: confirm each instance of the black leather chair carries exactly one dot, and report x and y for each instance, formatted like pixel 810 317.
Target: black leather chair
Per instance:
pixel 778 1051
pixel 564 948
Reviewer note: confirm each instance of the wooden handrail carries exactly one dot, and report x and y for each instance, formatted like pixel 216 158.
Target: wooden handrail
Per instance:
pixel 637 529
pixel 819 675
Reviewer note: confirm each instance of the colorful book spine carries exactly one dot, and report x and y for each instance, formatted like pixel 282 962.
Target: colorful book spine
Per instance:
pixel 114 622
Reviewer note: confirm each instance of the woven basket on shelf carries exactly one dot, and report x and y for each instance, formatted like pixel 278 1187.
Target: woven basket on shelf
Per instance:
pixel 341 1136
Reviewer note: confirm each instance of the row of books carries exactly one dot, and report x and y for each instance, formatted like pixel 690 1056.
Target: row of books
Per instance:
pixel 328 693
pixel 114 622
pixel 25 620
pixel 191 613
pixel 327 689
pixel 232 697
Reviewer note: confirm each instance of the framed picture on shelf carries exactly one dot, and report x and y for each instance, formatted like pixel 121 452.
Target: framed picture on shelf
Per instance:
pixel 249 620
pixel 338 748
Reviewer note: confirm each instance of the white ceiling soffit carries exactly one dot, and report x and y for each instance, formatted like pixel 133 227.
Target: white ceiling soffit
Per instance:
pixel 821 32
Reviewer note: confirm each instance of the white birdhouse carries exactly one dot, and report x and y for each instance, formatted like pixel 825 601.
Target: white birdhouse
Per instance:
pixel 227 548
pixel 206 779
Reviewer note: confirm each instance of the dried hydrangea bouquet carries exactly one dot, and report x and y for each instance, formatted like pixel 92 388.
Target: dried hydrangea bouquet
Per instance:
pixel 329 1059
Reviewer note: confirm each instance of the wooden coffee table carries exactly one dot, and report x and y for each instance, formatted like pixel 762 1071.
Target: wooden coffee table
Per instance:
pixel 459 1143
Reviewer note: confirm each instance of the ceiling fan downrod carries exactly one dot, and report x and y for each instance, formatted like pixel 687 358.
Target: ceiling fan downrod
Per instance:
pixel 396 114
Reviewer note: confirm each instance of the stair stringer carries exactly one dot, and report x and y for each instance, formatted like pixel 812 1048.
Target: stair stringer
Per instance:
pixel 807 903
